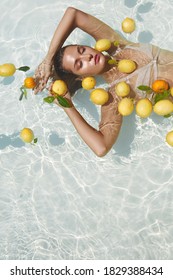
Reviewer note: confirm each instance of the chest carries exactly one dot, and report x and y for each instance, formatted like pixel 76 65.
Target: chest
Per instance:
pixel 140 58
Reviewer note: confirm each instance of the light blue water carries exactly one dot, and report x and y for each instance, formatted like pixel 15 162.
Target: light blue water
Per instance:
pixel 57 199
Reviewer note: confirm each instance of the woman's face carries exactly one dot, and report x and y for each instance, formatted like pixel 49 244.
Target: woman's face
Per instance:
pixel 84 60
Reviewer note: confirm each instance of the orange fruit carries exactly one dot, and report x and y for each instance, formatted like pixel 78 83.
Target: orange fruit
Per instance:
pixel 159 86
pixel 29 82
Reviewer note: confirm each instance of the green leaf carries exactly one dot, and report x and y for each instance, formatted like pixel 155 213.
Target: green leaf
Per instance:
pixel 63 102
pixel 49 99
pixel 23 68
pixel 21 96
pixel 35 140
pixel 167 116
pixel 161 96
pixel 144 88
pixel 23 93
pixel 116 43
pixel 112 61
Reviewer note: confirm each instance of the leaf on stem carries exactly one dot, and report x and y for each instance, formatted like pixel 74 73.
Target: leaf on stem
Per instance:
pixel 144 88
pixel 167 116
pixel 116 43
pixel 112 61
pixel 23 93
pixel 35 140
pixel 63 101
pixel 23 68
pixel 161 96
pixel 49 99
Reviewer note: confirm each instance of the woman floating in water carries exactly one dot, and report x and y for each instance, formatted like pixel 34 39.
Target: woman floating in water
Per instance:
pixel 74 61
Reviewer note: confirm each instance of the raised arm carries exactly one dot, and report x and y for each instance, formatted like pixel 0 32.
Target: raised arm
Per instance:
pixel 73 18
pixel 99 141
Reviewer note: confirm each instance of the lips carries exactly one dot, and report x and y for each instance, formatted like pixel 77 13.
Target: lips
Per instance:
pixel 97 58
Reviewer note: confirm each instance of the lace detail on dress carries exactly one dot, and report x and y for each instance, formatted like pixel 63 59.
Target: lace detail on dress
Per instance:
pixel 146 67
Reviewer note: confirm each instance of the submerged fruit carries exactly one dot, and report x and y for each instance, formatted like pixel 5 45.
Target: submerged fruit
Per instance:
pixel 169 138
pixel 144 108
pixel 159 86
pixel 7 69
pixel 99 96
pixel 59 87
pixel 88 83
pixel 126 66
pixel 125 106
pixel 163 107
pixel 29 82
pixel 128 25
pixel 171 91
pixel 27 135
pixel 122 89
pixel 103 45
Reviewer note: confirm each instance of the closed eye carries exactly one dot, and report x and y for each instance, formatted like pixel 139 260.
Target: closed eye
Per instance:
pixel 79 64
pixel 81 49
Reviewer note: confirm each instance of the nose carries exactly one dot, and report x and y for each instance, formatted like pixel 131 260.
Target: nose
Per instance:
pixel 87 57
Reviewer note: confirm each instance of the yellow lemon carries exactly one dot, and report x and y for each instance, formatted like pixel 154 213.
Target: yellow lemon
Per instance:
pixel 103 45
pixel 144 108
pixel 27 135
pixel 122 89
pixel 163 107
pixel 7 69
pixel 125 106
pixel 169 138
pixel 128 25
pixel 88 83
pixel 99 96
pixel 126 66
pixel 171 91
pixel 59 87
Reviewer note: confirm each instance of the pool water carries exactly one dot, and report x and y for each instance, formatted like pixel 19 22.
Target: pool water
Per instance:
pixel 57 199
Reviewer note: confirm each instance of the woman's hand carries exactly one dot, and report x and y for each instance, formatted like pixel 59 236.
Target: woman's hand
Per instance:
pixel 43 72
pixel 67 96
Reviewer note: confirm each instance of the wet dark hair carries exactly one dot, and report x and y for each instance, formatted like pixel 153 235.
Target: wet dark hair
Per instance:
pixel 71 79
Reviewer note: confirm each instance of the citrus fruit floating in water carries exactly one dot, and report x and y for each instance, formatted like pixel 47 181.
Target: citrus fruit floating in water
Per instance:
pixel 128 25
pixel 171 91
pixel 125 106
pixel 88 83
pixel 144 108
pixel 99 96
pixel 27 135
pixel 159 86
pixel 59 87
pixel 163 107
pixel 169 138
pixel 103 45
pixel 7 69
pixel 122 89
pixel 126 66
pixel 29 82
